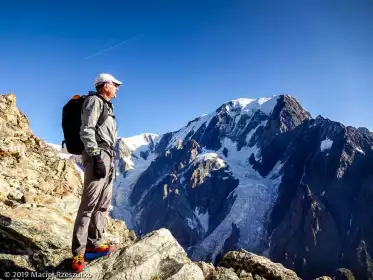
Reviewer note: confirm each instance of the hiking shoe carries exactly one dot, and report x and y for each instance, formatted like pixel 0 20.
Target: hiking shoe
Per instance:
pixel 99 251
pixel 78 264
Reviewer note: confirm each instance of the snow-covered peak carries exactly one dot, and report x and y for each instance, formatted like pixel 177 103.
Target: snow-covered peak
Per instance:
pixel 264 104
pixel 241 102
pixel 235 108
pixel 135 142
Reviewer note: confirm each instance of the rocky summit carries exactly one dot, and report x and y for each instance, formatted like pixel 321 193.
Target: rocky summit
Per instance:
pixel 261 175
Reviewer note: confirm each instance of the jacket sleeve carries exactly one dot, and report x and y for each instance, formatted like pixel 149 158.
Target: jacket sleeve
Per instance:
pixel 91 111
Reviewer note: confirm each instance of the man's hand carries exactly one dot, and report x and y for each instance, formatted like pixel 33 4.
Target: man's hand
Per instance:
pixel 99 169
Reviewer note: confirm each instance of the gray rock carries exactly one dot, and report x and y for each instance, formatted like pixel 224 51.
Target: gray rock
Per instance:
pixel 4 187
pixel 256 265
pixel 207 269
pixel 187 272
pixel 223 273
pixel 243 275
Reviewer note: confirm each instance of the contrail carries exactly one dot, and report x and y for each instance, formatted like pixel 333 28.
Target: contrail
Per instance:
pixel 112 47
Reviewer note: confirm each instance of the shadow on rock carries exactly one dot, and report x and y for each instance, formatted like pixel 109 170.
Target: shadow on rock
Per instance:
pixel 10 270
pixel 12 241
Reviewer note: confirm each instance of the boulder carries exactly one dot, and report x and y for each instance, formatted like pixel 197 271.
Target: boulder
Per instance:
pixel 256 265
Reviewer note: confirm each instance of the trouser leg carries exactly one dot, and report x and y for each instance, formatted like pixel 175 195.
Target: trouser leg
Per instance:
pixel 99 217
pixel 92 190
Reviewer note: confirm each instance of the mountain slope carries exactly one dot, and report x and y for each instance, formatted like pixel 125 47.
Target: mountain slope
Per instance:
pixel 322 215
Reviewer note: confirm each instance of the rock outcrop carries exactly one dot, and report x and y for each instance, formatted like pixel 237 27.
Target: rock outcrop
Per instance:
pixel 31 173
pixel 243 261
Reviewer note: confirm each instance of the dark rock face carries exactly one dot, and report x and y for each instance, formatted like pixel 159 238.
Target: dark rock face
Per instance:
pixel 286 115
pixel 179 190
pixel 320 219
pixel 277 134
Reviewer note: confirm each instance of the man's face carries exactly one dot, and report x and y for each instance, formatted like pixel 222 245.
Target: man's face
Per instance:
pixel 111 90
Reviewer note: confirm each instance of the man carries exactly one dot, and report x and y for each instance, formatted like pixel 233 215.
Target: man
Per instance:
pixel 99 169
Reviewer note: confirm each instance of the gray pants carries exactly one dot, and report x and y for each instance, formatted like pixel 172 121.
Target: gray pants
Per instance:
pixel 91 218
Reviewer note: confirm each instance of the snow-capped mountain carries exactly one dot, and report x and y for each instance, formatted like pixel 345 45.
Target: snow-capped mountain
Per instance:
pixel 200 181
pixel 245 188
pixel 258 174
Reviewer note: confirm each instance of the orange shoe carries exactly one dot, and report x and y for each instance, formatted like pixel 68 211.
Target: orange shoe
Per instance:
pixel 99 251
pixel 78 264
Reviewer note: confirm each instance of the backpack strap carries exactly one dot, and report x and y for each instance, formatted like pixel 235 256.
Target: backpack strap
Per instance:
pixel 103 116
pixel 104 113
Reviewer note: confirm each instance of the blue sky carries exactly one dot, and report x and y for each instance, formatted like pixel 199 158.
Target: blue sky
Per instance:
pixel 180 59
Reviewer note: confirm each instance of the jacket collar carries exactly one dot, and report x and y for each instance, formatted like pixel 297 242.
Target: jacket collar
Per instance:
pixel 99 95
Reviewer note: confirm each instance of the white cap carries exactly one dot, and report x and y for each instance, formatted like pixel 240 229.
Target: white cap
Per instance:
pixel 105 78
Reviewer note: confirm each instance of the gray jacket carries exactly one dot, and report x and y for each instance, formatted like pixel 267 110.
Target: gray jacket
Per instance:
pixel 106 136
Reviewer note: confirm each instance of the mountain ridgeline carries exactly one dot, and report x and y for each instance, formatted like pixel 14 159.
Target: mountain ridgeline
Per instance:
pixel 261 175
